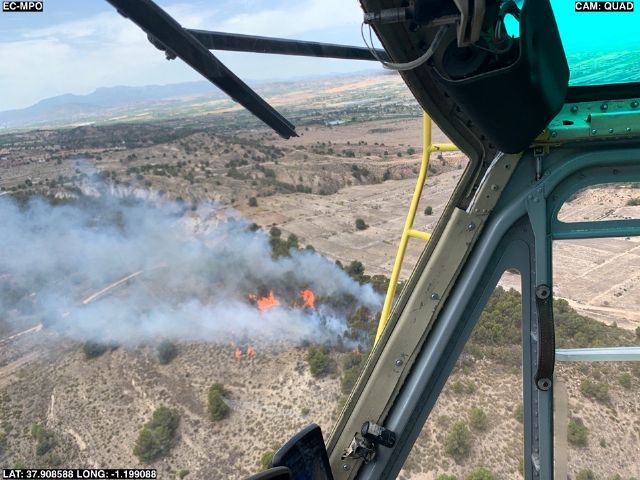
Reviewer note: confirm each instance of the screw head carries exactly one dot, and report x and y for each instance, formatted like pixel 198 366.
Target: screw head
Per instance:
pixel 471 226
pixel 399 362
pixel 345 467
pixel 594 131
pixel 435 296
pixel 554 134
pixel 635 104
pixel 628 129
pixel 604 107
pixel 611 130
pixel 574 109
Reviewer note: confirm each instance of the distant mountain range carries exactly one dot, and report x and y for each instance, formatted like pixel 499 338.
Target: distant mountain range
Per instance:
pixel 106 104
pixel 64 108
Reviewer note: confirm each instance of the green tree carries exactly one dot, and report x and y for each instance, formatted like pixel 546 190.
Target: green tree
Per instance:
pixel 478 419
pixel 157 436
pixel 253 202
pixel 275 232
pixel 45 439
pixel 355 270
pixel 458 441
pixel 167 351
pixel 352 365
pixel 320 362
pixel 360 224
pixel 428 210
pixel 216 405
pixel 292 241
pixel 479 473
pixel 411 151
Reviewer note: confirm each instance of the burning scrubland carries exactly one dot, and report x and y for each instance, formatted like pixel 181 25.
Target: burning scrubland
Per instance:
pixel 118 269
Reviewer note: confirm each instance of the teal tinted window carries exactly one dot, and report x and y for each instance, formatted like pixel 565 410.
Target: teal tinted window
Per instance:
pixel 601 47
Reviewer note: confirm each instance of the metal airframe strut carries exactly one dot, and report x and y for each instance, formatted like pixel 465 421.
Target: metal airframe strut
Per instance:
pixel 528 236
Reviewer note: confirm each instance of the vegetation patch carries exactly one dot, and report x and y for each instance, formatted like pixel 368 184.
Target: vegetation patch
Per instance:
pixel 157 436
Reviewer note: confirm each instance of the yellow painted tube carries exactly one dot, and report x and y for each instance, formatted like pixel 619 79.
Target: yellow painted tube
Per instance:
pixel 408 224
pixel 418 234
pixel 443 147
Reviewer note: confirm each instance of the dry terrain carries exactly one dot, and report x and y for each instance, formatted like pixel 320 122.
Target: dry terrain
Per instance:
pixel 315 186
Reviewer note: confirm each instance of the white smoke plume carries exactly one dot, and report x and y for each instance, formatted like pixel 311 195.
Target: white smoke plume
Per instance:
pixel 128 271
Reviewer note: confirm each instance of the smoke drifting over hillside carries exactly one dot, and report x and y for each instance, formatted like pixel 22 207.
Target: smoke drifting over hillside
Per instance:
pixel 126 270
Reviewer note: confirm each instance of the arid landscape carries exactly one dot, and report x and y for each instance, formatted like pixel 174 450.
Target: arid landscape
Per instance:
pixel 67 402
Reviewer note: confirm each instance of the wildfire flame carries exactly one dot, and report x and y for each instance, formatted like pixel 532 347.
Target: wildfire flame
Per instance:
pixel 308 298
pixel 265 303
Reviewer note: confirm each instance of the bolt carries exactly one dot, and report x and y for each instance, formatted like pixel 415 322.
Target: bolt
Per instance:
pixel 554 134
pixel 399 362
pixel 495 188
pixel 628 129
pixel 604 107
pixel 634 104
pixel 594 131
pixel 471 226
pixel 345 467
pixel 435 296
pixel 611 130
pixel 574 109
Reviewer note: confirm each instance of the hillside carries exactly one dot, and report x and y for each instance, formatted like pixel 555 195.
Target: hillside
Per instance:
pixel 196 167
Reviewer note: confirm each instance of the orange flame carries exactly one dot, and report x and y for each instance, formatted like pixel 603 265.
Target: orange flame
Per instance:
pixel 308 298
pixel 251 352
pixel 265 303
pixel 238 354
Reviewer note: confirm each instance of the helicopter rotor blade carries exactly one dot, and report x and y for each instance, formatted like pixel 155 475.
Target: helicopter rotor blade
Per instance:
pixel 282 46
pixel 166 33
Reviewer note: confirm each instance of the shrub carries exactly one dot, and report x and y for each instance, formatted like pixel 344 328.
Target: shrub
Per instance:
pixel 577 433
pixel 360 224
pixel 216 405
pixel 479 473
pixel 320 362
pixel 355 270
pixel 266 458
pixel 458 441
pixel 411 151
pixel 351 366
pixel 157 435
pixel 183 473
pixel 275 232
pixel 625 380
pixel 518 413
pixel 428 210
pixel 45 439
pixel 253 202
pixel 167 351
pixel 444 476
pixel 633 202
pixel 595 390
pixel 478 419
pixel 585 474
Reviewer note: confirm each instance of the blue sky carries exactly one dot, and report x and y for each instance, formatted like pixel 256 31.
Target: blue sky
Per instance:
pixel 76 46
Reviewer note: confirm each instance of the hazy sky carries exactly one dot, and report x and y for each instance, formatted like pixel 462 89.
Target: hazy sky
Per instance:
pixel 76 46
